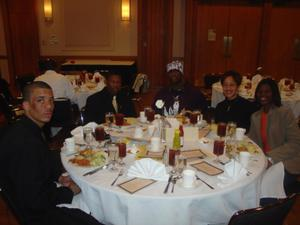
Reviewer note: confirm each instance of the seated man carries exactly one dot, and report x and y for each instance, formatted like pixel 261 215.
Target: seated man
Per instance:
pixel 61 86
pixel 111 99
pixel 4 89
pixel 29 170
pixel 179 94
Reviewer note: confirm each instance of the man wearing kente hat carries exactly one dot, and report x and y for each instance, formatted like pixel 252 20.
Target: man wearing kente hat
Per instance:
pixel 179 94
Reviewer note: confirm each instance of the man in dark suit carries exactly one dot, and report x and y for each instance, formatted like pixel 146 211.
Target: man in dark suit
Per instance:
pixel 111 99
pixel 29 170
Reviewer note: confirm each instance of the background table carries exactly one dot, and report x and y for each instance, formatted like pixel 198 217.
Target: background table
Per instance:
pixel 200 205
pixel 127 69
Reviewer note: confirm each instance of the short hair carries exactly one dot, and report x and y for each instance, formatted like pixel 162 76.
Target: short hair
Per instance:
pixel 274 89
pixel 47 64
pixel 27 91
pixel 235 76
pixel 108 76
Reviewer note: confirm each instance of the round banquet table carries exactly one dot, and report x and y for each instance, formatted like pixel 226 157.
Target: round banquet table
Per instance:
pixel 289 99
pixel 198 205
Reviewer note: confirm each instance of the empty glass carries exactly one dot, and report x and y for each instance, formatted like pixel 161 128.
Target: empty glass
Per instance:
pixel 180 163
pixel 109 119
pixel 113 153
pixel 88 136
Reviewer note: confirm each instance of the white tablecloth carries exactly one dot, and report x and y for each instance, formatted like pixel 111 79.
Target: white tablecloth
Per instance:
pixel 200 205
pixel 292 101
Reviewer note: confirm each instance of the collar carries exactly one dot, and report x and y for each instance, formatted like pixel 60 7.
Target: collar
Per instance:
pixel 32 126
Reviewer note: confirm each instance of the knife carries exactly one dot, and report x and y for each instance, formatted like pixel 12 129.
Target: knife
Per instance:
pixel 94 171
pixel 169 181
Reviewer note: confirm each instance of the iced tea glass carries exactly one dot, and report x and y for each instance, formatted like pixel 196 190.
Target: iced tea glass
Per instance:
pixel 122 153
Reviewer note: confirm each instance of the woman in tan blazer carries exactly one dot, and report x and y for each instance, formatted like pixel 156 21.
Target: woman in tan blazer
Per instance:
pixel 274 129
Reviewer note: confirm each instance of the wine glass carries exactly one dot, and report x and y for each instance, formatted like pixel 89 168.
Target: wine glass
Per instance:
pixel 219 145
pixel 109 119
pixel 113 156
pixel 122 153
pixel 88 136
pixel 180 163
pixel 230 129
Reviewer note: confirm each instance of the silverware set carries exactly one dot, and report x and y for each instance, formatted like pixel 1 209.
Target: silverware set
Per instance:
pixel 198 178
pixel 94 170
pixel 119 175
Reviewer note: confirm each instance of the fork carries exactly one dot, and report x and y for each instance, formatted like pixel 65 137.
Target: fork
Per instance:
pixel 120 174
pixel 173 182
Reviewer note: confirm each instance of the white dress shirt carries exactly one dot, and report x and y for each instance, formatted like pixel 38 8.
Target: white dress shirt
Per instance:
pixel 61 86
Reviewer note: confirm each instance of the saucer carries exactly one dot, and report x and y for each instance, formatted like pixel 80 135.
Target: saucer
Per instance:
pixel 195 185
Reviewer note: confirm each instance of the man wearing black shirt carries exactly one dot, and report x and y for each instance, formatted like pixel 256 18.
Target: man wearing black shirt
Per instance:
pixel 102 102
pixel 28 169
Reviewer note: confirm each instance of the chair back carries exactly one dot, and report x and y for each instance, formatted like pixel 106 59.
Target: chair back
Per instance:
pixel 24 80
pixel 62 115
pixel 12 206
pixel 210 79
pixel 274 214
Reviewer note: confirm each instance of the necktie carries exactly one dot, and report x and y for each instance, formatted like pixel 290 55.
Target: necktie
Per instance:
pixel 114 103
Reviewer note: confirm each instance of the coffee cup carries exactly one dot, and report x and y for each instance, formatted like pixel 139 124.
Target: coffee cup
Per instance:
pixel 189 178
pixel 143 118
pixel 240 133
pixel 244 158
pixel 155 144
pixel 69 144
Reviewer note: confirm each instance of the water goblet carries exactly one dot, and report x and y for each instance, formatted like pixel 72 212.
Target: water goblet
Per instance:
pixel 113 156
pixel 109 119
pixel 88 136
pixel 230 129
pixel 180 164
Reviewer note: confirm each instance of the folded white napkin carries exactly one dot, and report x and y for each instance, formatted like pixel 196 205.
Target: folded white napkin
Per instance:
pixel 79 130
pixel 232 172
pixel 148 169
pixel 174 122
pixel 272 182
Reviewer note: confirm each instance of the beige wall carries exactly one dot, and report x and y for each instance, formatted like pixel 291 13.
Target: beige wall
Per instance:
pixel 90 27
pixel 178 29
pixel 3 52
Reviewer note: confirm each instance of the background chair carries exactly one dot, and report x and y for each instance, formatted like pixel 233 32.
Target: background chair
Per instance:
pixel 12 206
pixel 274 214
pixel 62 117
pixel 23 80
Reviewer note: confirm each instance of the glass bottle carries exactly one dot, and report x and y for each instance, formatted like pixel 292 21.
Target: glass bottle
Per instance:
pixel 181 135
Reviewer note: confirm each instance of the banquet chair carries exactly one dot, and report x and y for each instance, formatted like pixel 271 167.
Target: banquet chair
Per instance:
pixel 274 213
pixel 12 207
pixel 24 80
pixel 62 117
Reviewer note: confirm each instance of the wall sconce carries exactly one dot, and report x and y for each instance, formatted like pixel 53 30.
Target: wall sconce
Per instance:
pixel 48 12
pixel 125 10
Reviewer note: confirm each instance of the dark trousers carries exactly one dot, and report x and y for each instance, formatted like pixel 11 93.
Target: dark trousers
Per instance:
pixel 64 216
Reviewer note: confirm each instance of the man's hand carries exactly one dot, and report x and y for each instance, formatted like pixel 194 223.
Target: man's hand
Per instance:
pixel 66 181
